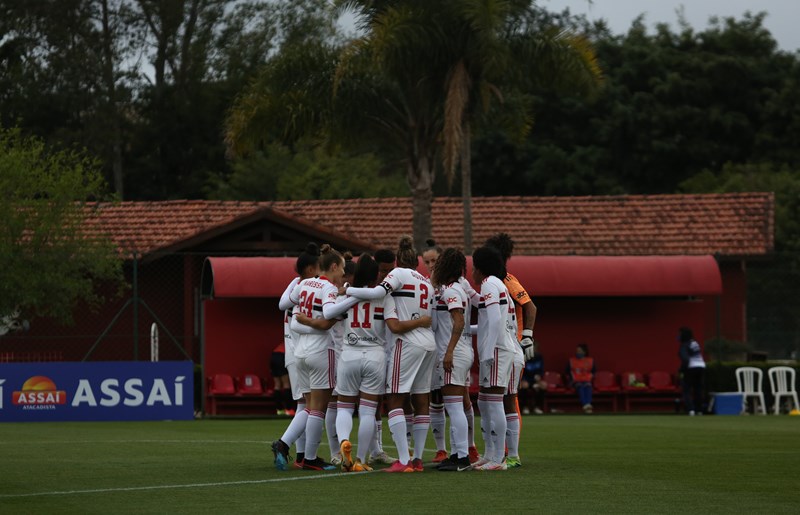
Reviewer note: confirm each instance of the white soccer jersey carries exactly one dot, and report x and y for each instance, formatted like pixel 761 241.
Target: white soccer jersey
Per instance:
pixel 451 297
pixel 310 295
pixel 364 324
pixel 493 291
pixel 413 295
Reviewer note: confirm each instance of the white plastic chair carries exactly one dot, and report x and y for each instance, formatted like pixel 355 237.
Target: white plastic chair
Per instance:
pixel 748 383
pixel 782 381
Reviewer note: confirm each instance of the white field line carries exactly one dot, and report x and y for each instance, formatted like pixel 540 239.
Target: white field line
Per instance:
pixel 172 487
pixel 190 485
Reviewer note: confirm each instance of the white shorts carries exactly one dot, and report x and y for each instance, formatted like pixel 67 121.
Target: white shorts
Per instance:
pixel 495 373
pixel 362 370
pixel 410 369
pixel 296 382
pixel 516 376
pixel 459 375
pixel 319 370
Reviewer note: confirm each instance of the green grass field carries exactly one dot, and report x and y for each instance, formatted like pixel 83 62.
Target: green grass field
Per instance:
pixel 610 464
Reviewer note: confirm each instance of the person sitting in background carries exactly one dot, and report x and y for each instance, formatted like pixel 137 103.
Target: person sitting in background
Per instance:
pixel 580 372
pixel 282 387
pixel 533 383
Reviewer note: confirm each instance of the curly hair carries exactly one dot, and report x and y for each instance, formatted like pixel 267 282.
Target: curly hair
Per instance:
pixel 406 254
pixel 489 261
pixel 451 265
pixel 503 243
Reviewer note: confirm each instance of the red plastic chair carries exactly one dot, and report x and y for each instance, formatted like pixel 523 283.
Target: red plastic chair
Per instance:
pixel 632 382
pixel 221 384
pixel 250 384
pixel 660 381
pixel 555 383
pixel 605 382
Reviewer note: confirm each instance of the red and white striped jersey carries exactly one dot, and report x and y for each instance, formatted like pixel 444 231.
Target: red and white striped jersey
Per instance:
pixel 452 296
pixel 309 296
pixel 493 291
pixel 364 324
pixel 413 297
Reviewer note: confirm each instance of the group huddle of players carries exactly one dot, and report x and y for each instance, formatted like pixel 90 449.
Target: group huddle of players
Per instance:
pixel 380 335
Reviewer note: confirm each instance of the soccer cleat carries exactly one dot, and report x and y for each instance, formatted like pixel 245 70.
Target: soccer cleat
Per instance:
pixel 400 467
pixel 491 466
pixel 382 457
pixel 317 464
pixel 281 452
pixel 587 408
pixel 360 467
pixel 347 460
pixel 456 465
pixel 450 459
pixel 440 456
pixel 474 455
pixel 290 412
pixel 336 459
pixel 281 412
pixel 481 462
pixel 513 462
pixel 298 464
pixel 417 465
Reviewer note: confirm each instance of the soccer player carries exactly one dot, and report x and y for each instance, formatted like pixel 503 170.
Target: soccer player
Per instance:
pixel 386 263
pixel 438 421
pixel 496 343
pixel 307 266
pixel 413 357
pixel 525 314
pixel 454 344
pixel 315 357
pixel 361 371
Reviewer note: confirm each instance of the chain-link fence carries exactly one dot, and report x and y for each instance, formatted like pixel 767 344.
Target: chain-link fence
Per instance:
pixel 166 292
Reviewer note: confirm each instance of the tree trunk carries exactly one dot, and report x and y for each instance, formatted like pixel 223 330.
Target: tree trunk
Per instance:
pixel 113 114
pixel 420 180
pixel 466 186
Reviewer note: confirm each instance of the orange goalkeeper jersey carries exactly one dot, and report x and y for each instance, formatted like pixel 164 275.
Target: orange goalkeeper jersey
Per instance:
pixel 520 297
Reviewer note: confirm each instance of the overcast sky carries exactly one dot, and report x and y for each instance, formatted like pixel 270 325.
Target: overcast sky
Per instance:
pixel 782 18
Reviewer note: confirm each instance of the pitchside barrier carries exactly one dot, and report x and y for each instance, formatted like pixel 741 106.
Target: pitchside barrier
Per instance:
pixel 117 390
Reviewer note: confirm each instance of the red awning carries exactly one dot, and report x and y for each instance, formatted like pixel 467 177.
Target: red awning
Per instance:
pixel 246 276
pixel 630 276
pixel 542 276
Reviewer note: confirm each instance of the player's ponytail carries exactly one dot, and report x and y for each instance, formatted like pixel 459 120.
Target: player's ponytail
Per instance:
pixel 406 254
pixel 308 258
pixel 328 257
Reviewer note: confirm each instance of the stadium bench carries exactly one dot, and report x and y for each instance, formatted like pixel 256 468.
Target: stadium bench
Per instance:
pixel 246 395
pixel 660 388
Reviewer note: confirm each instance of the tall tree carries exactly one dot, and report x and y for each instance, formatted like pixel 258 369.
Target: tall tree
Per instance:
pixel 48 261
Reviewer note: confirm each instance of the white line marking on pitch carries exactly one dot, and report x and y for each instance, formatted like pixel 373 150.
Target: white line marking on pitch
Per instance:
pixel 191 485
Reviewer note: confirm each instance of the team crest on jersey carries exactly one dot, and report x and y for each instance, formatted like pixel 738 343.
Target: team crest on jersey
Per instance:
pixel 488 296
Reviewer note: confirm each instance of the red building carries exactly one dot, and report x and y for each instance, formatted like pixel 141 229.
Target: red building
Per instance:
pixel 619 273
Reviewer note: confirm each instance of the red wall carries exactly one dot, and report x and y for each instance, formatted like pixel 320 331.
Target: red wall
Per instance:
pixel 636 334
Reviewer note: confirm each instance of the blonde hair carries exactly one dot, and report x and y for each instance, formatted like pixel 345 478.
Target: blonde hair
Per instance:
pixel 328 257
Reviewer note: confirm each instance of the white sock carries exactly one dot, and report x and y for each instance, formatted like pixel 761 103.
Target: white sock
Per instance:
pixel 397 425
pixel 366 426
pixel 300 443
pixel 438 426
pixel 422 424
pixel 458 425
pixel 486 421
pixel 344 420
pixel 470 414
pixel 330 427
pixel 512 434
pixel 497 415
pixel 316 420
pixel 297 427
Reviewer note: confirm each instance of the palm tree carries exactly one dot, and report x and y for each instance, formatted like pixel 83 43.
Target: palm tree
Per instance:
pixel 418 78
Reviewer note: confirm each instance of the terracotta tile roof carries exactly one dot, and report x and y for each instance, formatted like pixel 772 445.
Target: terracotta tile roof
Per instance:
pixel 735 224
pixel 739 224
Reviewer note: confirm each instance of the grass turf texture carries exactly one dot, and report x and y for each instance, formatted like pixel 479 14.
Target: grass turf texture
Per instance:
pixel 642 464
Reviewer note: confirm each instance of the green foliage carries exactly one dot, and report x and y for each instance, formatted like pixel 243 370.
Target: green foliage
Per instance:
pixel 279 173
pixel 721 376
pixel 47 262
pixel 722 349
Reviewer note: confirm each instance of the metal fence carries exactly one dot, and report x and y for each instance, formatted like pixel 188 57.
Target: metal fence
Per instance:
pixel 166 292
